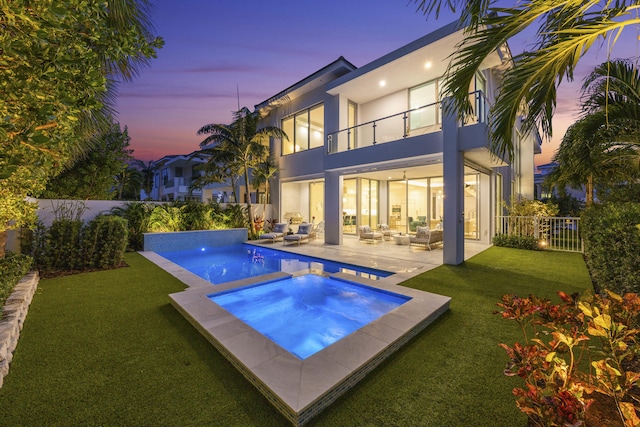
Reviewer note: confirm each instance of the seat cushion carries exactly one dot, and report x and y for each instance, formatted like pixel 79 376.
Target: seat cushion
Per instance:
pixel 280 227
pixel 422 232
pixel 304 228
pixel 271 236
pixel 295 237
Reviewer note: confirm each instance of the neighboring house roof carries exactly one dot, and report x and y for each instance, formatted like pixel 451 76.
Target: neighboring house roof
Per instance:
pixel 324 75
pixel 193 157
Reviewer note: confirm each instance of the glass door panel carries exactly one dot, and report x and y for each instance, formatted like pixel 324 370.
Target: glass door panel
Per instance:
pixel 471 206
pixel 349 206
pixel 417 203
pixel 436 212
pixel 398 206
pixel 369 203
pixel 316 202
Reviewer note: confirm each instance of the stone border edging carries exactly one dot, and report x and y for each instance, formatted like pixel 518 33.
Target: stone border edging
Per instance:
pixel 12 319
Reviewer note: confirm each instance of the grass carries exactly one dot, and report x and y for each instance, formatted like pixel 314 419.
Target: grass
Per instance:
pixel 106 348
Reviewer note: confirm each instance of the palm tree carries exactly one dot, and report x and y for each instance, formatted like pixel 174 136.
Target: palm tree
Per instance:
pixel 566 31
pixel 129 182
pixel 601 149
pixel 239 147
pixel 262 173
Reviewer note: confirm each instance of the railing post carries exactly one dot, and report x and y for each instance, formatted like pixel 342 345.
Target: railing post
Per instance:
pixel 404 125
pixel 374 133
pixel 329 143
pixel 349 139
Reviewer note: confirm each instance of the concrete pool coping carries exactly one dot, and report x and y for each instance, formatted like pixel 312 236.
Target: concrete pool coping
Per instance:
pixel 300 389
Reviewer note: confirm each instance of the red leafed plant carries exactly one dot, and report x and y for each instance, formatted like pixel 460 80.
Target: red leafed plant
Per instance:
pixel 601 328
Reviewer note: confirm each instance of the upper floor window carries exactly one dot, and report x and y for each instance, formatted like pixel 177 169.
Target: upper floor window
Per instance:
pixel 425 98
pixel 305 130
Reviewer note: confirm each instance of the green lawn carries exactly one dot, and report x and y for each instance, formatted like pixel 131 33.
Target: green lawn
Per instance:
pixel 108 349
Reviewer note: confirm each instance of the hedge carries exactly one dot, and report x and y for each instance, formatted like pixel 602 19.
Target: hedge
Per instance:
pixel 611 234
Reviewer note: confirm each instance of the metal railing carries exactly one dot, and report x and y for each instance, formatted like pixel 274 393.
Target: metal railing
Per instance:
pixel 553 233
pixel 416 121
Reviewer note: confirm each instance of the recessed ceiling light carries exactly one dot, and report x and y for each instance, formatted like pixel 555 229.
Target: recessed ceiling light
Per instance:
pixel 383 83
pixel 427 65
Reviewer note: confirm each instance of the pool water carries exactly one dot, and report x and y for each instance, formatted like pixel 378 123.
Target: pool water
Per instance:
pixel 305 314
pixel 227 263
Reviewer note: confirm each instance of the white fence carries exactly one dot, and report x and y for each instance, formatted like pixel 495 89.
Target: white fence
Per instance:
pixel 554 233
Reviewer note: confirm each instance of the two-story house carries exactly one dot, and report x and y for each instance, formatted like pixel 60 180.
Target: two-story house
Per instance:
pixel 371 146
pixel 174 175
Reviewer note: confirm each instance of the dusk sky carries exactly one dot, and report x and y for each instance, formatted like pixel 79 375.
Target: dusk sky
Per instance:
pixel 215 49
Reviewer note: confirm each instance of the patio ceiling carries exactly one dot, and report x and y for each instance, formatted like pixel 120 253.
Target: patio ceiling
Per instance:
pixel 424 60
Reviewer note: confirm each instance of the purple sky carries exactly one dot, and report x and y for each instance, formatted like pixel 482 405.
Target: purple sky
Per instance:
pixel 215 48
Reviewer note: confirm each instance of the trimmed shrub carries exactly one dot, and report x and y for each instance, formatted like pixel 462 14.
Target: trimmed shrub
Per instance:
pixel 62 246
pixel 104 241
pixel 516 241
pixel 68 246
pixel 12 268
pixel 611 234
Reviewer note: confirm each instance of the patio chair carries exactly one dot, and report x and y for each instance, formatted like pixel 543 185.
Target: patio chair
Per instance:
pixel 385 230
pixel 367 234
pixel 426 237
pixel 277 233
pixel 318 229
pixel 303 234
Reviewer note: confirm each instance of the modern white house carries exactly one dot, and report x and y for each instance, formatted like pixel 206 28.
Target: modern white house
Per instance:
pixel 370 146
pixel 173 176
pixel 543 193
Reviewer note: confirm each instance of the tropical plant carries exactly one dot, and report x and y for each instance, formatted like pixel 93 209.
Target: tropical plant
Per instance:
pixel 559 388
pixel 96 175
pixel 165 218
pixel 137 216
pixel 238 148
pixel 565 32
pixel 60 65
pixel 602 149
pixel 262 173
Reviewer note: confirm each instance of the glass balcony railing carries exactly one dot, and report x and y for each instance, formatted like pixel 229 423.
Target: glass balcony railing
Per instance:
pixel 413 122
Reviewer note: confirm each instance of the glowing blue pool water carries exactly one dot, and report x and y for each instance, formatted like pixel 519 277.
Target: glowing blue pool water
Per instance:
pixel 305 314
pixel 227 263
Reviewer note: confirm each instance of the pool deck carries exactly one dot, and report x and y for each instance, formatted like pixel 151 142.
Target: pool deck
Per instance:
pixel 404 261
pixel 300 389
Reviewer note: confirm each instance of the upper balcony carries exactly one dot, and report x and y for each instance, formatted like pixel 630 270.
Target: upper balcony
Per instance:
pixel 401 125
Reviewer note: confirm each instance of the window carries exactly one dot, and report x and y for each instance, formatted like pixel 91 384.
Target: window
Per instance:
pixel 305 130
pixel 178 172
pixel 165 177
pixel 424 97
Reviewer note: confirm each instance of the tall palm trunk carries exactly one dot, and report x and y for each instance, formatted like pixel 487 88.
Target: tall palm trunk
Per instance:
pixel 589 190
pixel 252 226
pixel 266 196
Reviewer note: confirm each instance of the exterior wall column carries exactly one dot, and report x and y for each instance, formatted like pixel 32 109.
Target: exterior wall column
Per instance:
pixel 453 174
pixel 332 208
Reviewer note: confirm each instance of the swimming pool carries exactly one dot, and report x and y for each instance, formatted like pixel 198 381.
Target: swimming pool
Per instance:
pixel 228 263
pixel 308 313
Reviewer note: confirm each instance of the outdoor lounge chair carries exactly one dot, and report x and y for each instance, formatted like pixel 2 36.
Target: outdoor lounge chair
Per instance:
pixel 385 230
pixel 426 237
pixel 277 233
pixel 366 233
pixel 304 233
